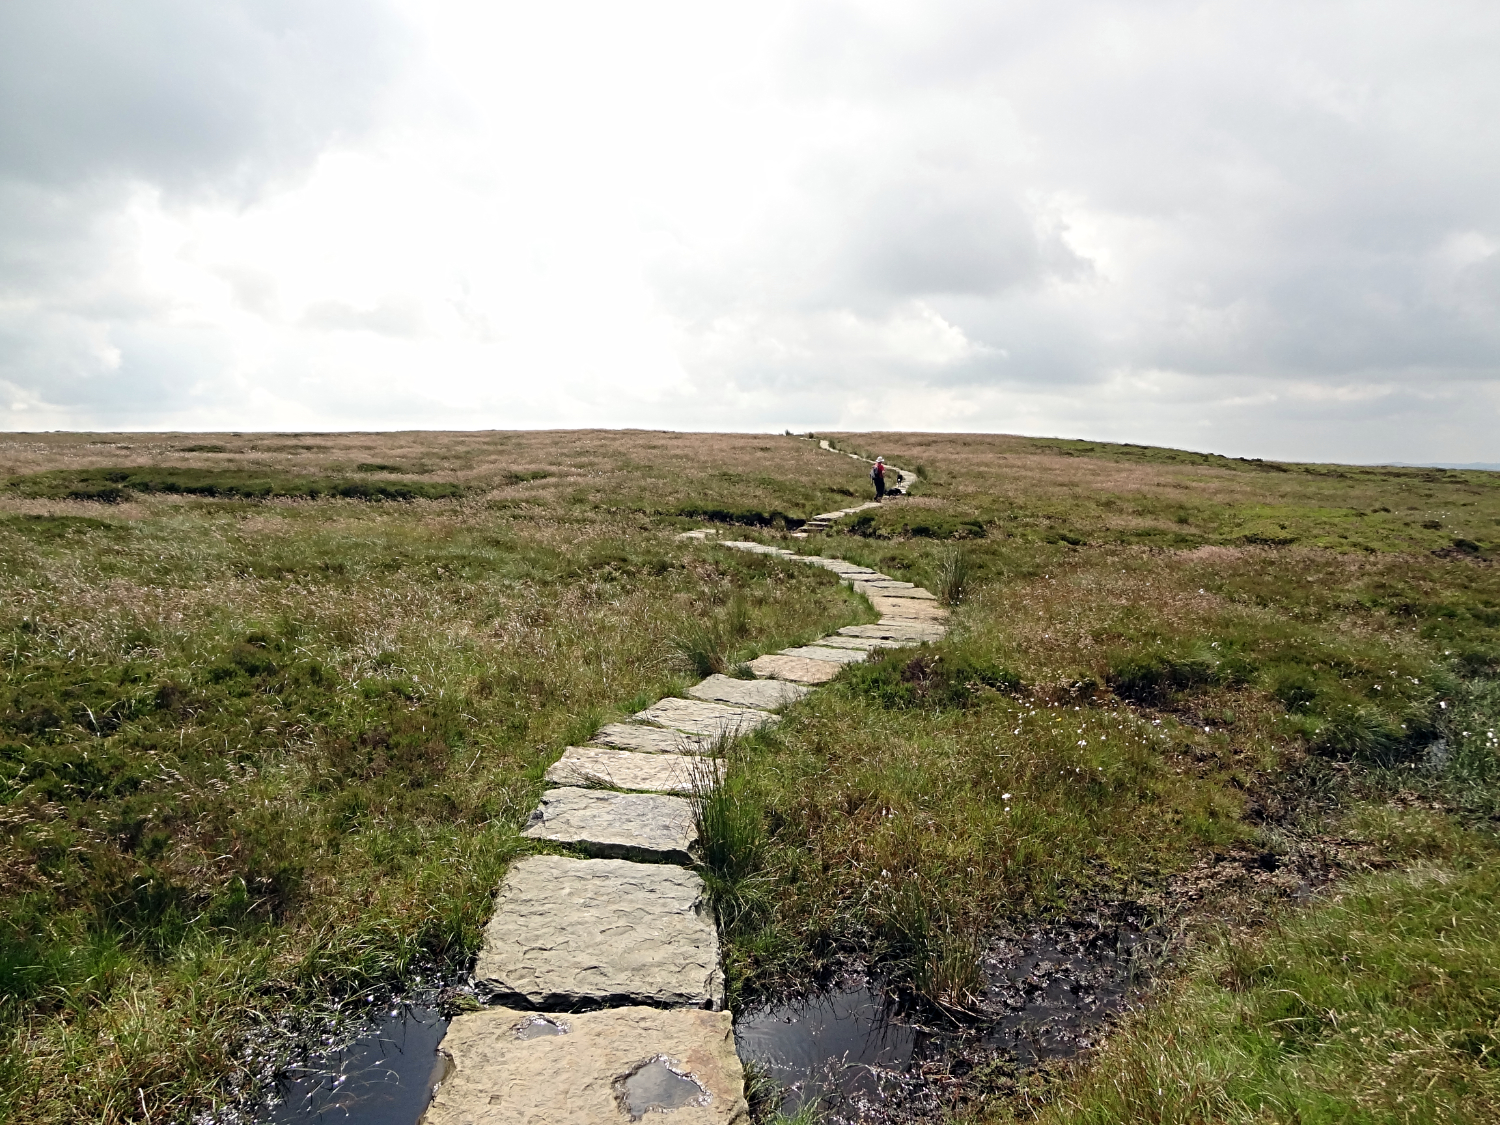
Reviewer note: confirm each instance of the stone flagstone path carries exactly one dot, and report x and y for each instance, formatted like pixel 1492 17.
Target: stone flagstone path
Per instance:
pixel 604 974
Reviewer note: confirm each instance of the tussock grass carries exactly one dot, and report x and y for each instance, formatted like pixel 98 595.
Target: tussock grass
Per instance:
pixel 714 644
pixel 953 576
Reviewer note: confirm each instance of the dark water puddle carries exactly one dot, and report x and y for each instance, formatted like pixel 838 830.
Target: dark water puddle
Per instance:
pixel 655 1087
pixel 835 1047
pixel 383 1075
pixel 866 1057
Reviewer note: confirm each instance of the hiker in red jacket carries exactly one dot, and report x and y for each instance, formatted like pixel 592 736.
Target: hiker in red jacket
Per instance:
pixel 877 474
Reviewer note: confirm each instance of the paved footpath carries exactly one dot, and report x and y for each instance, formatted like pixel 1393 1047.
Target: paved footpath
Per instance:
pixel 603 975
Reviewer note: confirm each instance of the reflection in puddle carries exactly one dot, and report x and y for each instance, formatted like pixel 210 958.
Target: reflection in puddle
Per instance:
pixel 860 1055
pixel 834 1045
pixel 384 1076
pixel 657 1088
pixel 539 1026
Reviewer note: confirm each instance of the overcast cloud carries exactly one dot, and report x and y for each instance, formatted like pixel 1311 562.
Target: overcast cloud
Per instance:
pixel 1260 228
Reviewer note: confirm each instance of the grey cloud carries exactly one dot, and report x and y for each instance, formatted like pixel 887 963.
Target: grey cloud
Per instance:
pixel 182 94
pixel 195 101
pixel 928 235
pixel 1272 187
pixel 1236 223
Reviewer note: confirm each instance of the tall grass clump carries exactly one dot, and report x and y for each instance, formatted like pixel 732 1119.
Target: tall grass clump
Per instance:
pixel 706 647
pixel 731 829
pixel 925 950
pixel 953 576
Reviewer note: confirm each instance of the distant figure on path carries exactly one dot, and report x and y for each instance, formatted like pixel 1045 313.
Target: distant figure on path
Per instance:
pixel 877 474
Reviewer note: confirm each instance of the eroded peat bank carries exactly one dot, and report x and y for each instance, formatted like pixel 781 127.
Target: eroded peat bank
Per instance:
pixel 1185 814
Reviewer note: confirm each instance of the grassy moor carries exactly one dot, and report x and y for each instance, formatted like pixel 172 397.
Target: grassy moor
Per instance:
pixel 276 707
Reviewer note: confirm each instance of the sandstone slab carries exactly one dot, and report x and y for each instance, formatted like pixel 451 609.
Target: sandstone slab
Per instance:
pixel 699 716
pixel 642 826
pixel 906 607
pixel 912 631
pixel 651 740
pixel 864 644
pixel 768 695
pixel 754 548
pixel 916 593
pixel 839 566
pixel 831 655
pixel 630 769
pixel 798 669
pixel 508 1067
pixel 575 933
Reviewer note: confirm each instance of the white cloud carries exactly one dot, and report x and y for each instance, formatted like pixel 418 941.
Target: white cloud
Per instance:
pixel 1264 228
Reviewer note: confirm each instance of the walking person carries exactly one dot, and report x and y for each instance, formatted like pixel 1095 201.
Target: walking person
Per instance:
pixel 877 474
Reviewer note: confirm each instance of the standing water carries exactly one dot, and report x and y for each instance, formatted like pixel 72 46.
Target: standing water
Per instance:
pixel 384 1076
pixel 863 1058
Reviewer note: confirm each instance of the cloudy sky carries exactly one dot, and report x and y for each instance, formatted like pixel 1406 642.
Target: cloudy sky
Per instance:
pixel 1265 228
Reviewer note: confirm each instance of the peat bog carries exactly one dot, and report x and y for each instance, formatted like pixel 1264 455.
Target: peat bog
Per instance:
pixel 1205 733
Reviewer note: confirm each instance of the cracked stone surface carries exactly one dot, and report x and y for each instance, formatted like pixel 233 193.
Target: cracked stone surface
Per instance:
pixel 574 933
pixel 501 1072
pixel 768 695
pixel 630 769
pixel 883 583
pixel 833 655
pixel 642 826
pixel 798 669
pixel 698 716
pixel 651 740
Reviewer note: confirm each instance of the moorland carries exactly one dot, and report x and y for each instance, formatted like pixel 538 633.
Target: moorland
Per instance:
pixel 276 706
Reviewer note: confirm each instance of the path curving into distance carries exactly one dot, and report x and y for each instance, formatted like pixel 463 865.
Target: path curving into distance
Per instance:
pixel 603 975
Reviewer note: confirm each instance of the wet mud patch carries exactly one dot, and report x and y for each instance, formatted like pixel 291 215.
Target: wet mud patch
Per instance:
pixel 865 1054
